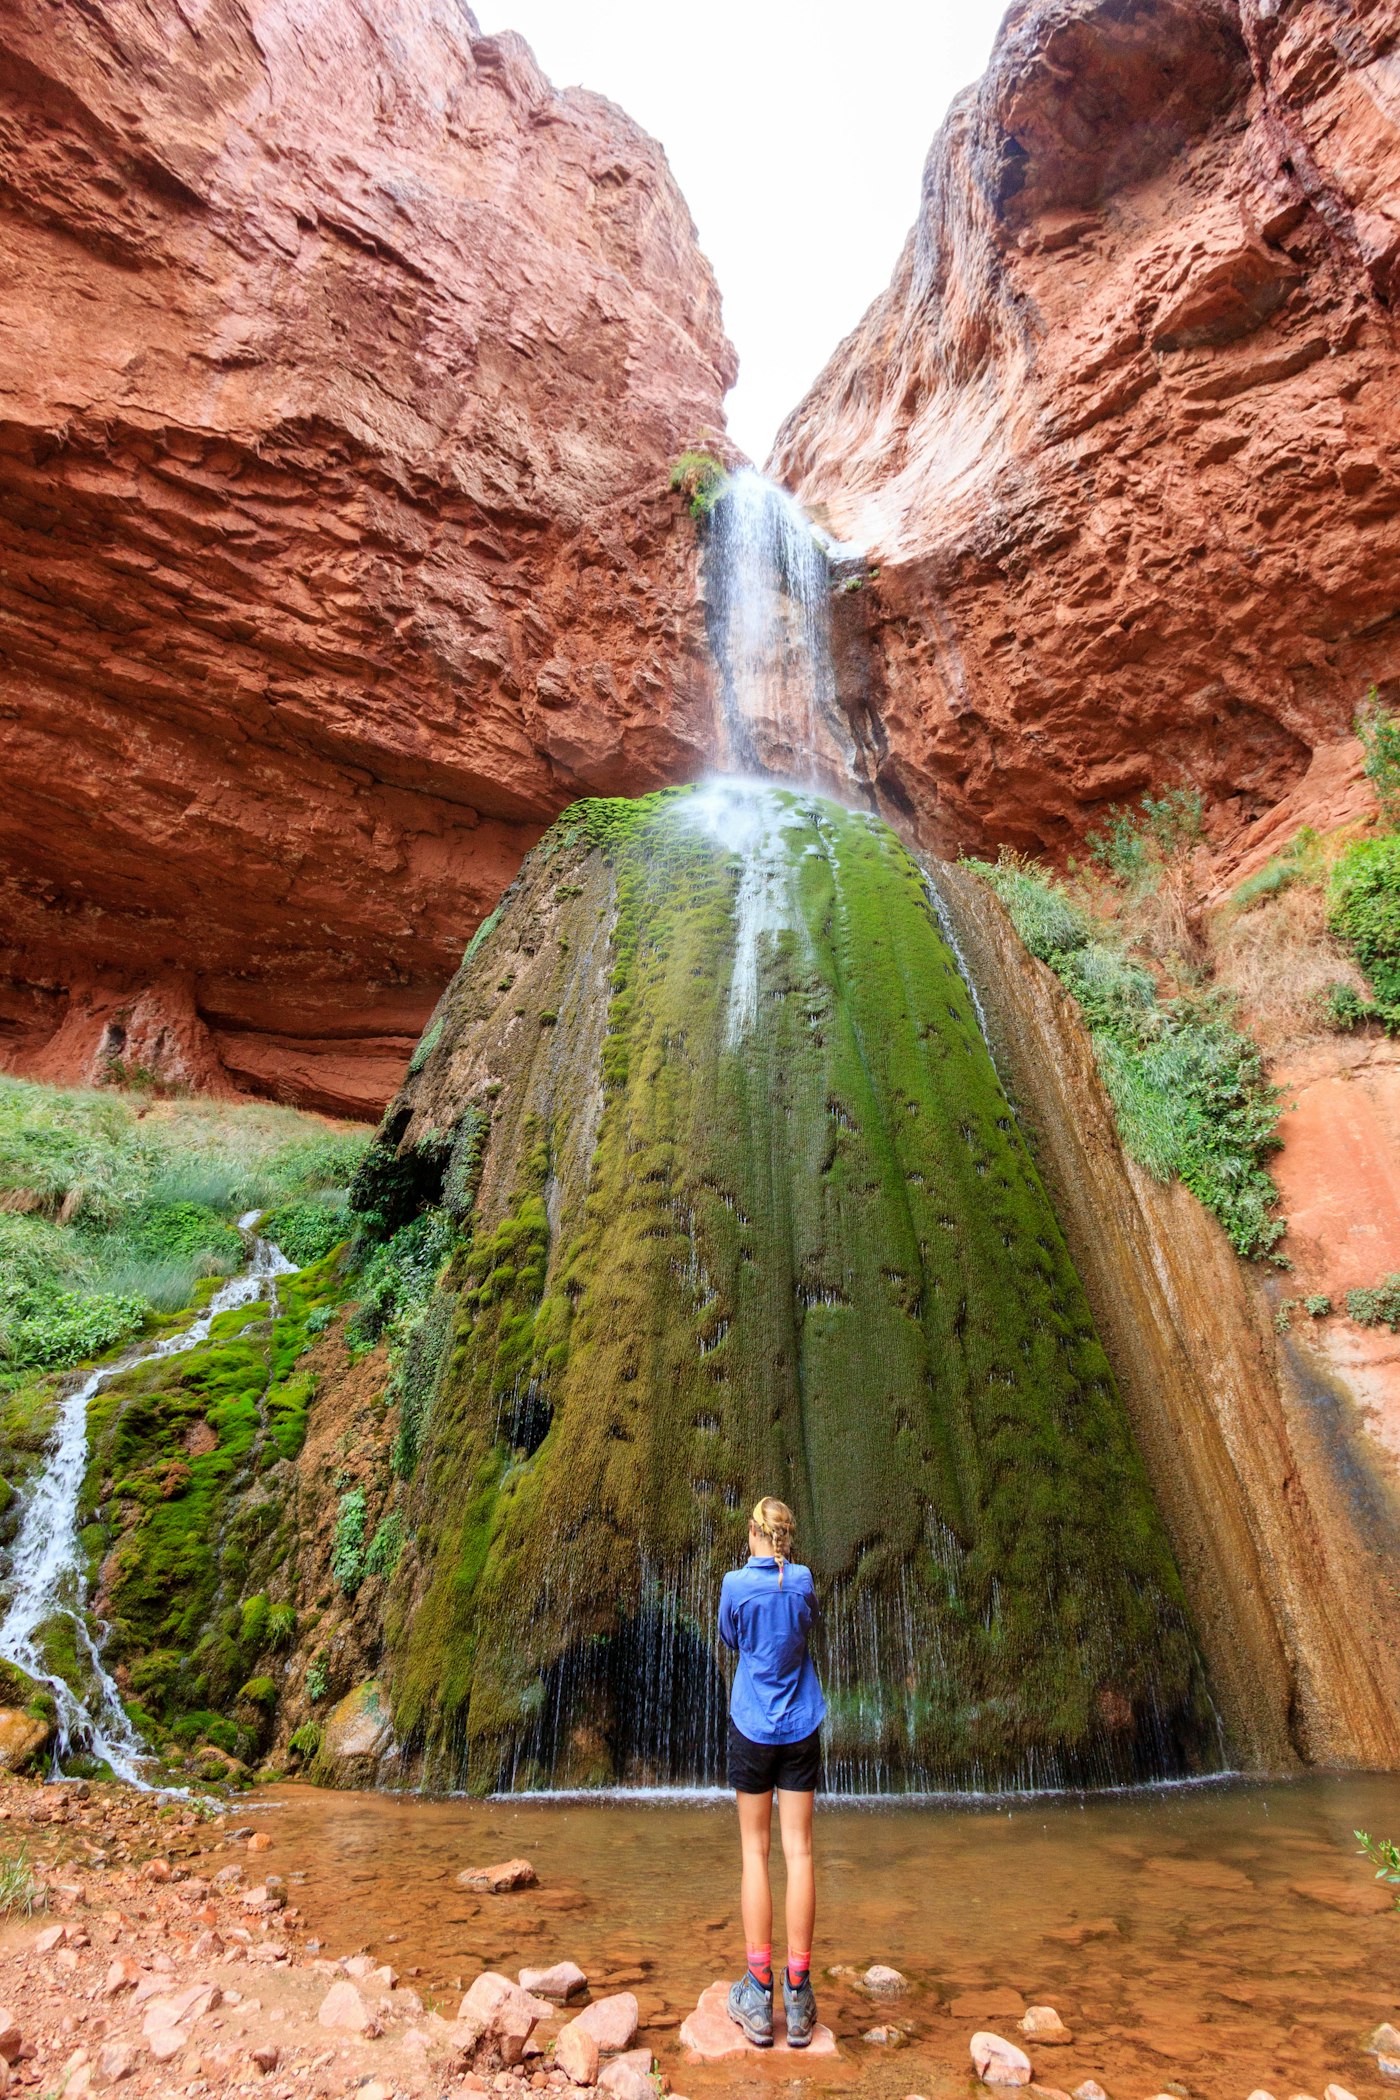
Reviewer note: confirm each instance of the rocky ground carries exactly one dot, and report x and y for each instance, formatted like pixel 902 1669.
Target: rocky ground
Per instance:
pixel 163 1955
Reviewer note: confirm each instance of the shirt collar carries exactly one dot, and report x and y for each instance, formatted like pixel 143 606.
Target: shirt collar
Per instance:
pixel 761 1560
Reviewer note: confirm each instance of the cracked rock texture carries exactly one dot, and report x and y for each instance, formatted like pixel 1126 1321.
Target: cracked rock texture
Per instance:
pixel 342 362
pixel 1122 433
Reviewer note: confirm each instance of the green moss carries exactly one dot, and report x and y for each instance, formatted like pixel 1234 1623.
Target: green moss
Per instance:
pixel 812 1257
pixel 702 478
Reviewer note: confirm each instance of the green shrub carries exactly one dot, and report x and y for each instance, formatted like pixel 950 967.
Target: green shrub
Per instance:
pixel 308 1227
pixel 318 1679
pixel 259 1691
pixel 1189 1090
pixel 1380 740
pixel 70 1327
pixel 702 479
pixel 1364 908
pixel 1376 1305
pixel 1346 1008
pixel 1317 1305
pixel 348 1545
pixel 385 1547
pixel 1135 844
pixel 306 1740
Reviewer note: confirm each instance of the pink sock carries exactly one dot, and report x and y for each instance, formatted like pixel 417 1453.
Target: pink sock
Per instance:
pixel 798 1965
pixel 760 1960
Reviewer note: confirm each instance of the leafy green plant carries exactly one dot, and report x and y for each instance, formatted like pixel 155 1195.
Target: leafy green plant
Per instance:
pixel 21 1890
pixel 1380 740
pixel 1346 1008
pixel 1188 1086
pixel 306 1740
pixel 259 1691
pixel 1134 844
pixel 1376 1305
pixel 382 1556
pixel 1364 908
pixel 348 1545
pixel 308 1227
pixel 318 1678
pixel 1318 1305
pixel 1283 1315
pixel 701 478
pixel 1384 1855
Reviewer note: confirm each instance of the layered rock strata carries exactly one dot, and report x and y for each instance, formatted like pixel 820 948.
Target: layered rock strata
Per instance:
pixel 1121 436
pixel 342 363
pixel 1281 1492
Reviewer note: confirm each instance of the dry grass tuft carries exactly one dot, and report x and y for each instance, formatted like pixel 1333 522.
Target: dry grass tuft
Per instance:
pixel 1279 959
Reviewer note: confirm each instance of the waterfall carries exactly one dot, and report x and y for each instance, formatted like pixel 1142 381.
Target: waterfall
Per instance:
pixel 768 584
pixel 47 1579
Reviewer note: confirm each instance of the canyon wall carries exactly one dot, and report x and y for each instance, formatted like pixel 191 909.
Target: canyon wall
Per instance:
pixel 1277 1481
pixel 342 362
pixel 1121 437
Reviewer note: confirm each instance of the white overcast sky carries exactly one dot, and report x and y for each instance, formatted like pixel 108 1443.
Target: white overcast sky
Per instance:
pixel 797 131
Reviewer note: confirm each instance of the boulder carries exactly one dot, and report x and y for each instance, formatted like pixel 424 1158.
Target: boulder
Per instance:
pixel 181 2008
pixel 167 2042
pixel 344 2010
pixel 1041 2023
pixel 498 1880
pixel 708 2035
pixel 625 2080
pixel 1336 2092
pixel 561 1982
pixel 505 2015
pixel 23 1737
pixel 576 2054
pixel 357 1736
pixel 887 2037
pixel 999 2062
pixel 1384 2041
pixel 1090 2090
pixel 11 2040
pixel 884 1981
pixel 114 2063
pixel 264 2057
pixel 612 2022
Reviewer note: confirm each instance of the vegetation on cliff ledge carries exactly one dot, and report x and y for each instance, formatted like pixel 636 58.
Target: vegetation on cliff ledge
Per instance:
pixel 113 1207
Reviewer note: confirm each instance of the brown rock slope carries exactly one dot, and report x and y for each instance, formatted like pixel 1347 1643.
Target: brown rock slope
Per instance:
pixel 1272 1461
pixel 341 363
pixel 1123 431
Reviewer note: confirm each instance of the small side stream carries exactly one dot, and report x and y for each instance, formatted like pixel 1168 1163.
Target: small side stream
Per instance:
pixel 47 1579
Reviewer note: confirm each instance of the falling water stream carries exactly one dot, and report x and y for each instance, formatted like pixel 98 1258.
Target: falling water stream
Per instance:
pixel 47 1579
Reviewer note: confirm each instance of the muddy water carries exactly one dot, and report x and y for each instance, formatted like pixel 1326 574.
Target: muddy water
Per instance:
pixel 1203 1940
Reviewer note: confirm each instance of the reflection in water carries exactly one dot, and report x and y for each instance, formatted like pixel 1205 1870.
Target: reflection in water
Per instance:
pixel 1210 1938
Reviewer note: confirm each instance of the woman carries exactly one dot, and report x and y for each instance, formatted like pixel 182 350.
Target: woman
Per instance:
pixel 766 1612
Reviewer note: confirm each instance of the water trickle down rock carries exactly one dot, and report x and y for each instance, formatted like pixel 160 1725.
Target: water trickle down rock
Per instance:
pixel 753 1212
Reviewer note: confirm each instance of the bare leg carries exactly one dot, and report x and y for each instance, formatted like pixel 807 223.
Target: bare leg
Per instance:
pixel 795 1824
pixel 755 1897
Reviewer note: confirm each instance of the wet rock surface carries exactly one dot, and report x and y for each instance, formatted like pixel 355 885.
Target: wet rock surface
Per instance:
pixel 345 363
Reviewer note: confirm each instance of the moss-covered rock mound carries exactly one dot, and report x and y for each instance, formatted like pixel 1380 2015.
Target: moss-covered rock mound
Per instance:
pixel 727 1199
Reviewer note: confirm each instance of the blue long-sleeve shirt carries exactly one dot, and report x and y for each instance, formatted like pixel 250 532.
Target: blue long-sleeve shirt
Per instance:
pixel 777 1697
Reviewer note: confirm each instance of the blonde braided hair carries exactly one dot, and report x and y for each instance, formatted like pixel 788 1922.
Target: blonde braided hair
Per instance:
pixel 776 1523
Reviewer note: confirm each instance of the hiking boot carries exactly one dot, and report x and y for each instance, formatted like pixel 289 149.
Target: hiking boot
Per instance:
pixel 751 2007
pixel 800 2008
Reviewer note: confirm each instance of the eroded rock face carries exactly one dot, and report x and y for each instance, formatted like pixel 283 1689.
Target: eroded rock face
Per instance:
pixel 1274 1461
pixel 1122 432
pixel 342 364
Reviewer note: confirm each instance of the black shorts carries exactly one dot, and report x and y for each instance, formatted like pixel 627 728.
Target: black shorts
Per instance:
pixel 756 1768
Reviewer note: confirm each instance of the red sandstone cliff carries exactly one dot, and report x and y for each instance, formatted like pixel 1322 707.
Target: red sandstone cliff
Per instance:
pixel 1122 433
pixel 340 365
